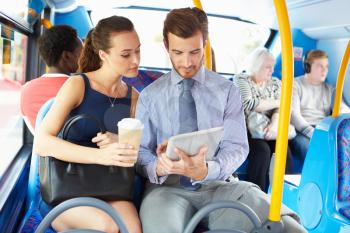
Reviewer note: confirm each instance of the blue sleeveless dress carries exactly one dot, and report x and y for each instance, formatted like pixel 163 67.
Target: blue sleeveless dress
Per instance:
pixel 99 106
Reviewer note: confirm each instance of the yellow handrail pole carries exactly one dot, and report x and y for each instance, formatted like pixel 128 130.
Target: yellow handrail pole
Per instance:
pixel 284 118
pixel 340 81
pixel 46 23
pixel 207 50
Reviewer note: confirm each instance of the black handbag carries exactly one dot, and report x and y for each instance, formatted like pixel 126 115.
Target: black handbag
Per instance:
pixel 60 180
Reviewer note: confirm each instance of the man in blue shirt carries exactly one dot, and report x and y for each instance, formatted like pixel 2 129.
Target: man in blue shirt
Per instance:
pixel 169 203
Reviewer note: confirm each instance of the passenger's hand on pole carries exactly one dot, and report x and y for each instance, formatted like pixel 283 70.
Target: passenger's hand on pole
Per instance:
pixel 116 154
pixel 103 139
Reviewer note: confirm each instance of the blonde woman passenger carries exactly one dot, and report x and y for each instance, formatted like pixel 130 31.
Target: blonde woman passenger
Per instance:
pixel 260 94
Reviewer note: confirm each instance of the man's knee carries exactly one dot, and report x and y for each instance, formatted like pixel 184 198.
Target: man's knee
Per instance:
pixel 291 225
pixel 163 211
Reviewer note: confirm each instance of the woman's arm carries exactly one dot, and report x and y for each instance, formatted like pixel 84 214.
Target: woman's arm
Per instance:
pixel 270 104
pixel 46 142
pixel 266 105
pixel 251 103
pixel 248 101
pixel 271 130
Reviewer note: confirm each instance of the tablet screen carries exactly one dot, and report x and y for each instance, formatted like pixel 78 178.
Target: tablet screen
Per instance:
pixel 190 143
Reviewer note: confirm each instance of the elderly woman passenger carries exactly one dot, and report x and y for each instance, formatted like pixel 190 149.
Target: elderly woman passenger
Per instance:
pixel 260 94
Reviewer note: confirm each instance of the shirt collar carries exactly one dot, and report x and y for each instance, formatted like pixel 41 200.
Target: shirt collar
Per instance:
pixel 53 75
pixel 199 76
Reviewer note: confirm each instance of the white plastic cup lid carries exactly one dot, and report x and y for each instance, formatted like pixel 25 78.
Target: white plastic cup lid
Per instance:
pixel 130 123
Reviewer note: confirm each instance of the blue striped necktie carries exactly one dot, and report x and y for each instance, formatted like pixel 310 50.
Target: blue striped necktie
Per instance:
pixel 188 121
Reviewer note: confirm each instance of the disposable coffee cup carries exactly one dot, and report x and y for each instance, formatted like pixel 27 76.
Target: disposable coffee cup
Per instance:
pixel 130 132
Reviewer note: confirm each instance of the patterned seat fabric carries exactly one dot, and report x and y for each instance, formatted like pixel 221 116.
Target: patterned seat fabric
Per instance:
pixel 344 165
pixel 345 211
pixel 344 160
pixel 33 222
pixel 143 79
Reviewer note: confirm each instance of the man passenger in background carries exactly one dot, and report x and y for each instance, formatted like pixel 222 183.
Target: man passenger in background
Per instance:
pixel 177 189
pixel 312 100
pixel 60 48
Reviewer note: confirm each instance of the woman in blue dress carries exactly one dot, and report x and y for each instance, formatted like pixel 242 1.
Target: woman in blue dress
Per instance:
pixel 111 51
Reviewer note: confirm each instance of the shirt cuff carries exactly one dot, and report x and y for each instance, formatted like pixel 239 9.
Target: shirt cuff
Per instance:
pixel 152 173
pixel 308 131
pixel 213 172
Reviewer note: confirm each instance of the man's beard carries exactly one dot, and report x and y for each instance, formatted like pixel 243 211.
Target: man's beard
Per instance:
pixel 198 66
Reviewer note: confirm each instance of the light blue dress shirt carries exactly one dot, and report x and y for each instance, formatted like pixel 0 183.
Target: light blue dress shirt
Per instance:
pixel 218 103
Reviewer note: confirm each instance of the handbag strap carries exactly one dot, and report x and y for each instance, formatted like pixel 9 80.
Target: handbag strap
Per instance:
pixel 68 125
pixel 134 98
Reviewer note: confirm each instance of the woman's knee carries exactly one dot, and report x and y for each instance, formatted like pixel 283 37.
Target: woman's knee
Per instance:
pixel 108 225
pixel 136 228
pixel 129 215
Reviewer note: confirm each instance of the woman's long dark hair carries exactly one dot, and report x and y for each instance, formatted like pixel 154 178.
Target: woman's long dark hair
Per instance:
pixel 99 38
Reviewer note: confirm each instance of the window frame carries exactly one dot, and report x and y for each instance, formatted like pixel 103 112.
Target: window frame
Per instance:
pixel 267 43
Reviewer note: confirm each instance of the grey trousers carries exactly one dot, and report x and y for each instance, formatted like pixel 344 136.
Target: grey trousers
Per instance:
pixel 169 208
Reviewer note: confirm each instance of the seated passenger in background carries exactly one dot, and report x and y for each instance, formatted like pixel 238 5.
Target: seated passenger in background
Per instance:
pixel 312 100
pixel 60 48
pixel 260 94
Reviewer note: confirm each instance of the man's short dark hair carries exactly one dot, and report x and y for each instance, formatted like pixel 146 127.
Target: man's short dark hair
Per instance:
pixel 186 22
pixel 56 40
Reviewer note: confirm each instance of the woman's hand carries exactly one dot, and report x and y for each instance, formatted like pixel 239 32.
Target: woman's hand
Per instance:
pixel 116 154
pixel 270 132
pixel 277 103
pixel 104 139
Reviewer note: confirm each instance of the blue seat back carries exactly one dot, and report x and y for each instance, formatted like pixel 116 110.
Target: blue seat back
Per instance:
pixel 33 216
pixel 323 196
pixel 33 197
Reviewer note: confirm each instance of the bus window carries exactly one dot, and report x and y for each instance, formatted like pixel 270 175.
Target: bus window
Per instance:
pixel 231 40
pixel 13 47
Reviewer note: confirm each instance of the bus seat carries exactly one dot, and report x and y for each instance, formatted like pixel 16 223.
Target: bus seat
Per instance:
pixel 32 216
pixel 242 171
pixel 143 79
pixel 322 199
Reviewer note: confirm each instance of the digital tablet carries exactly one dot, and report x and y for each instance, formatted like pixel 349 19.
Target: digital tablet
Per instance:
pixel 190 143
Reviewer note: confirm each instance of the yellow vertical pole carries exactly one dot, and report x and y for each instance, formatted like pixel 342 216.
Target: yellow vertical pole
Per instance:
pixel 283 123
pixel 207 49
pixel 340 81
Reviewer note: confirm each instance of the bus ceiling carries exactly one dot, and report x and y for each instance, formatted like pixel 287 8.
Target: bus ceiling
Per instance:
pixel 313 23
